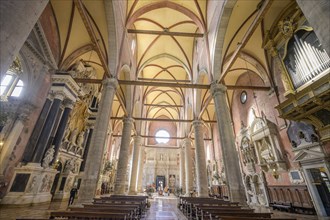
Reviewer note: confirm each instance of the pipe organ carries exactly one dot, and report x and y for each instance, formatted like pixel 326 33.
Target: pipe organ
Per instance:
pixel 308 60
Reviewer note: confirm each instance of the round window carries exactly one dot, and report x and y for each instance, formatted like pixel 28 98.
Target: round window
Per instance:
pixel 243 97
pixel 162 136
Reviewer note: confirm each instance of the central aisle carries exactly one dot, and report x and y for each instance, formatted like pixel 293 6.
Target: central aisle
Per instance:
pixel 164 208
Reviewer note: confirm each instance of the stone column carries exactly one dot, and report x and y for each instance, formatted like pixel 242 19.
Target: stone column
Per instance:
pixel 182 169
pixel 230 154
pixel 94 160
pixel 141 166
pixel 17 18
pixel 86 150
pixel 135 163
pixel 123 156
pixel 188 163
pixel 317 14
pixel 30 147
pixel 68 105
pixel 47 129
pixel 201 172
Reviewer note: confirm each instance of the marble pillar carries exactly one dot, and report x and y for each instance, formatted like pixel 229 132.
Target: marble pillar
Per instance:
pixel 189 165
pixel 68 105
pixel 93 162
pixel 141 167
pixel 230 154
pixel 135 163
pixel 17 18
pixel 47 129
pixel 317 14
pixel 182 170
pixel 86 149
pixel 120 182
pixel 201 171
pixel 30 147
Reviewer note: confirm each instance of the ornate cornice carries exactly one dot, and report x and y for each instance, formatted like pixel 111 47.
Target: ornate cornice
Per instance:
pixel 63 82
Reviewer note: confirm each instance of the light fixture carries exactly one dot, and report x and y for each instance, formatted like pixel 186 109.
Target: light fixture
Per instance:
pixel 1 143
pixel 275 173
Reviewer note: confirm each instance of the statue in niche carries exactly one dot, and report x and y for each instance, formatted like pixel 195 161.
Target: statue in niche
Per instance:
pixel 73 136
pixel 80 139
pixel 68 184
pixel 209 173
pixel 265 151
pixel 79 114
pixel 171 181
pixel 32 184
pixel 66 135
pixel 48 157
pixel 69 165
pixel 45 180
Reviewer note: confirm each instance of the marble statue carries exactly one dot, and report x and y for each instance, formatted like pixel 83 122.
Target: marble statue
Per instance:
pixel 48 157
pixel 69 165
pixel 80 139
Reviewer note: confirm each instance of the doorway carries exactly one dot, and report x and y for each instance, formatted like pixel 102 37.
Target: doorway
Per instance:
pixel 160 182
pixel 322 183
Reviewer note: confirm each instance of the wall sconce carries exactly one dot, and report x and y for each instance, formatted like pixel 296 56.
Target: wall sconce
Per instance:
pixel 275 174
pixel 56 164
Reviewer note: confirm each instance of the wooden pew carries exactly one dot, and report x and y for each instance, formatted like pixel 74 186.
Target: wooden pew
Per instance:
pixel 221 215
pixel 131 213
pixel 252 218
pixel 142 201
pixel 88 215
pixel 189 203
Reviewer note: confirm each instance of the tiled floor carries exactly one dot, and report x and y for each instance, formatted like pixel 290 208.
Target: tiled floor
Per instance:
pixel 162 208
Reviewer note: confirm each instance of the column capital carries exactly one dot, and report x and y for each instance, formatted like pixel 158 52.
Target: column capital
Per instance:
pixel 59 95
pixel 128 120
pixel 198 123
pixel 68 103
pixel 110 82
pixel 216 88
pixel 137 139
pixel 186 141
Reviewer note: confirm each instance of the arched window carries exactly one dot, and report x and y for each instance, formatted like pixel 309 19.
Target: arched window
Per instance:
pixel 11 85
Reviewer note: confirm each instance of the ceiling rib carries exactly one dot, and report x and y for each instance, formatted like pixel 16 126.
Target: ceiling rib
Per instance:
pixel 170 106
pixel 248 34
pixel 158 84
pixel 152 136
pixel 164 120
pixel 92 35
pixel 173 85
pixel 163 80
pixel 168 33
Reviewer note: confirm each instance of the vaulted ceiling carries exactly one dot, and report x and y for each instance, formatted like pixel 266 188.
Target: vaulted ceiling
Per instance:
pixel 166 53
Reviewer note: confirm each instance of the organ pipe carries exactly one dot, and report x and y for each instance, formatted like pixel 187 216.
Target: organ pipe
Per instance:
pixel 309 61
